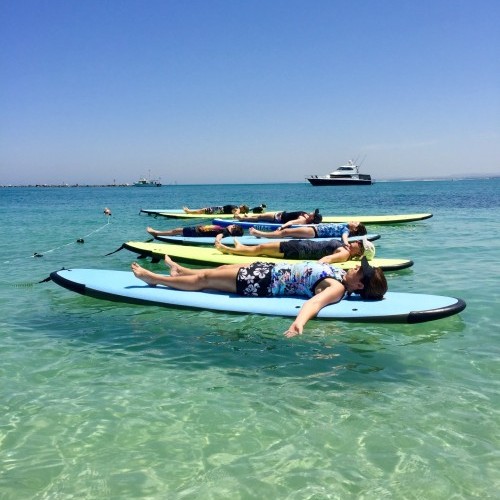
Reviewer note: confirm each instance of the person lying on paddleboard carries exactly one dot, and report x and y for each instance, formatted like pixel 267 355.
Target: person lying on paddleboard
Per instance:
pixel 222 209
pixel 198 231
pixel 327 230
pixel 323 284
pixel 284 218
pixel 327 252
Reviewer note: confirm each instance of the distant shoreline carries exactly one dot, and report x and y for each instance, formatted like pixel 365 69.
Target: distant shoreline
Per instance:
pixel 420 179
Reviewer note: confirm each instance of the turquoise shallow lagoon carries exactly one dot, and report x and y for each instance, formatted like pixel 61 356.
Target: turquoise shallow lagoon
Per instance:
pixel 107 400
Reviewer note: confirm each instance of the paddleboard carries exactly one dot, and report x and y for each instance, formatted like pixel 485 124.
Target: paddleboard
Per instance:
pixel 365 219
pixel 151 211
pixel 210 256
pixel 121 286
pixel 245 240
pixel 377 219
pixel 180 214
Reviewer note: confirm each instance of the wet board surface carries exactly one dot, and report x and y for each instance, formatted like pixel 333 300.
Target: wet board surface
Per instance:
pixel 210 256
pixel 123 286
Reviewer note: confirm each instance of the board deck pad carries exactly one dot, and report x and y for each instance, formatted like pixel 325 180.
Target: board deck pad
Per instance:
pixel 123 286
pixel 246 239
pixel 211 256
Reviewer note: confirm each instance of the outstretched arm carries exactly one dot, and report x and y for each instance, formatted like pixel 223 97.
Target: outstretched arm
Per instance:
pixel 345 238
pixel 298 220
pixel 329 295
pixel 245 217
pixel 288 224
pixel 339 255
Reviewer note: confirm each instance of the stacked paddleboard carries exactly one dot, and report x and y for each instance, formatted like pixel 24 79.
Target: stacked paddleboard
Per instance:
pixel 122 286
pixel 365 219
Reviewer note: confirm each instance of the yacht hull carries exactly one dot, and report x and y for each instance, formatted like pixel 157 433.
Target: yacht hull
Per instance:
pixel 341 181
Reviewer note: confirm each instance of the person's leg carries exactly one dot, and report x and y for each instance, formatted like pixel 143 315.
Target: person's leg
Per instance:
pixel 246 218
pixel 269 249
pixel 239 249
pixel 178 270
pixel 169 232
pixel 220 278
pixel 292 232
pixel 268 217
pixel 264 234
pixel 193 210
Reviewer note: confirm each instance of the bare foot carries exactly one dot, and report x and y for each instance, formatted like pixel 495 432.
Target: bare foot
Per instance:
pixel 237 244
pixel 217 242
pixel 257 233
pixel 219 246
pixel 143 274
pixel 152 232
pixel 186 209
pixel 175 269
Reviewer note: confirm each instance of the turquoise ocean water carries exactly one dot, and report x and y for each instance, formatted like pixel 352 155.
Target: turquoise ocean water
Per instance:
pixel 107 400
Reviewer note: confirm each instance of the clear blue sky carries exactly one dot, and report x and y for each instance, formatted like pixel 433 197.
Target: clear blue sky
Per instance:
pixel 204 91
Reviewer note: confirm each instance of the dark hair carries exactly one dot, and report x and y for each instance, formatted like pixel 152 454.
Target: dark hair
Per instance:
pixel 259 209
pixel 375 286
pixel 236 231
pixel 317 217
pixel 359 231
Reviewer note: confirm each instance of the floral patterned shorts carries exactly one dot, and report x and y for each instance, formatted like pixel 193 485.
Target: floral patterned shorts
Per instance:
pixel 214 210
pixel 255 280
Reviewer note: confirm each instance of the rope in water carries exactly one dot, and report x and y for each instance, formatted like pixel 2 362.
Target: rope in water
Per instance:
pixel 41 254
pixel 79 240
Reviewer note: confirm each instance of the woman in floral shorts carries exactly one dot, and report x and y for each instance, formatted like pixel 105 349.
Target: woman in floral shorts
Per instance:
pixel 322 284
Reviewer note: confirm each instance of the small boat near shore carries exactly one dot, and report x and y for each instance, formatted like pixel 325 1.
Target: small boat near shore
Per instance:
pixel 143 182
pixel 345 175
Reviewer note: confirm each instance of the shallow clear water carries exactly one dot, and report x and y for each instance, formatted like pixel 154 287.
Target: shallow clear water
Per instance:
pixel 107 400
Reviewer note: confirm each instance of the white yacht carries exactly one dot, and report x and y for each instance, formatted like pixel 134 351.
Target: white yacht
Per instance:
pixel 344 175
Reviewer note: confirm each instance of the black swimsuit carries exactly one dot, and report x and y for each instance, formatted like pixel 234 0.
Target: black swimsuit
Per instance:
pixel 308 250
pixel 284 217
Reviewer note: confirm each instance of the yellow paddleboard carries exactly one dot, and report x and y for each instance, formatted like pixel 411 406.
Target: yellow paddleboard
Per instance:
pixel 211 257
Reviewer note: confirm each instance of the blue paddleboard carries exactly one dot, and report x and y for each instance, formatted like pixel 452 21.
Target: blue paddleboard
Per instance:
pixel 368 219
pixel 123 286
